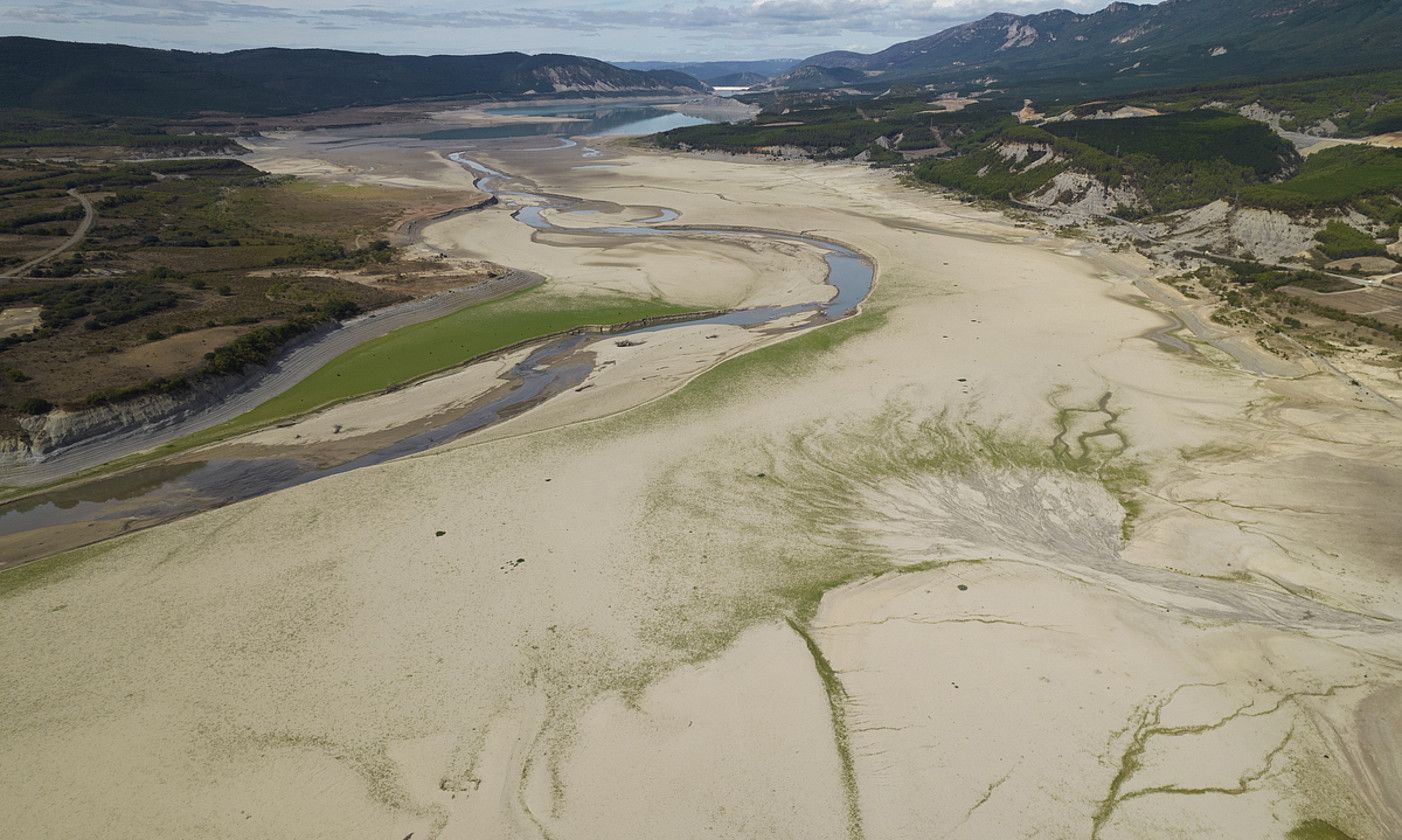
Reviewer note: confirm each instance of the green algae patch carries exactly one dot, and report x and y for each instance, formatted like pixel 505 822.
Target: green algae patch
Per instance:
pixel 1090 441
pixel 763 531
pixel 782 361
pixel 743 375
pixel 837 708
pixel 1317 830
pixel 18 580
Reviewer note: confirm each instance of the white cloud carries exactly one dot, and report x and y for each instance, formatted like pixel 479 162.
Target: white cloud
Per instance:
pixel 625 28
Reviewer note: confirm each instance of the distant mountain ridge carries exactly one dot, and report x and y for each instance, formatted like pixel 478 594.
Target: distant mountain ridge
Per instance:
pixel 111 79
pixel 719 72
pixel 1175 41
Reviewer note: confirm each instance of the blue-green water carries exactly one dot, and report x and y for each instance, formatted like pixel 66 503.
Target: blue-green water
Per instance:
pixel 576 118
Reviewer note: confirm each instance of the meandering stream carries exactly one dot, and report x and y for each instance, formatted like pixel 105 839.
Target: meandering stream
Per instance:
pixel 163 491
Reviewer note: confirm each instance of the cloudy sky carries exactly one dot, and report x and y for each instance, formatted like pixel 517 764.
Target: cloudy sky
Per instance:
pixel 611 29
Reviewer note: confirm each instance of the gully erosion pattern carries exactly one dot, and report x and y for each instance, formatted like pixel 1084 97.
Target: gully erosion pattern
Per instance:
pixel 164 491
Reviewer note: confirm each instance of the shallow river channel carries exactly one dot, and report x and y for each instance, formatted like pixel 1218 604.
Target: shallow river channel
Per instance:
pixel 163 491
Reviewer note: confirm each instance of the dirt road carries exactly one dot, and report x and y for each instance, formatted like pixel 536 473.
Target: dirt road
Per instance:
pixel 89 216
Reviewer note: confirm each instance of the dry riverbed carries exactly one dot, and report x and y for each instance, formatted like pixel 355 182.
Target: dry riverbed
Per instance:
pixel 987 560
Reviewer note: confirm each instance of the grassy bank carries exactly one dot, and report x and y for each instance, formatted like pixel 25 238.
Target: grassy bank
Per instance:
pixel 422 349
pixel 407 354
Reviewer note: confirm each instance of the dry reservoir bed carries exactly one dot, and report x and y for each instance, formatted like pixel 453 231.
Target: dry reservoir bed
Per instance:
pixel 980 562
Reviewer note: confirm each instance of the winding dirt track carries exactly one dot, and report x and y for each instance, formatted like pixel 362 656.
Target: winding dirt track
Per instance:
pixel 288 371
pixel 89 216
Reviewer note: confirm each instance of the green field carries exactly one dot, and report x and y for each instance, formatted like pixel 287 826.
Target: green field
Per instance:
pixel 25 128
pixel 422 349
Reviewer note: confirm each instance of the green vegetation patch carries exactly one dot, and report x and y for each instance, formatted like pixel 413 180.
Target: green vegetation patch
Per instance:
pixel 837 710
pixel 1173 161
pixel 416 351
pixel 844 132
pixel 1358 104
pixel 844 129
pixel 1339 241
pixel 1334 177
pixel 762 529
pixel 184 246
pixel 104 304
pixel 27 128
pixel 988 174
pixel 1259 277
pixel 1317 830
pixel 1184 138
pixel 741 376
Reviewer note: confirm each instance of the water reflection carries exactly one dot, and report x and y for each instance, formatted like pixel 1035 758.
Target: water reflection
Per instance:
pixel 576 118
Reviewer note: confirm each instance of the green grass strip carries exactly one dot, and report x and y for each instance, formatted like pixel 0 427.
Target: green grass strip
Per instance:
pixel 420 350
pixel 411 353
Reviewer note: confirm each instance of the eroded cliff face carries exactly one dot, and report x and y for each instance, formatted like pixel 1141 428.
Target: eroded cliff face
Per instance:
pixel 1077 196
pixel 596 77
pixel 41 435
pixel 1268 234
pixel 1275 119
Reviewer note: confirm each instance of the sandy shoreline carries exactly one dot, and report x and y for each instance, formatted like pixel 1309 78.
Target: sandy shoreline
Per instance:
pixel 872 581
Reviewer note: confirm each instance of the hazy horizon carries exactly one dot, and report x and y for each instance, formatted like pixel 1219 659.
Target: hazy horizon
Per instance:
pixel 613 30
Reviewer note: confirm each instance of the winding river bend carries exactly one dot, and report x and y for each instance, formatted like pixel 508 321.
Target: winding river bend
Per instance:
pixel 45 523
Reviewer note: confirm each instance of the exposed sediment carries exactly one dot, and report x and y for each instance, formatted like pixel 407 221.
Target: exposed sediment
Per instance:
pixel 577 625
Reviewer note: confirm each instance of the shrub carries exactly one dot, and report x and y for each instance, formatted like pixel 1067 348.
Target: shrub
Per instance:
pixel 341 309
pixel 105 303
pixel 255 348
